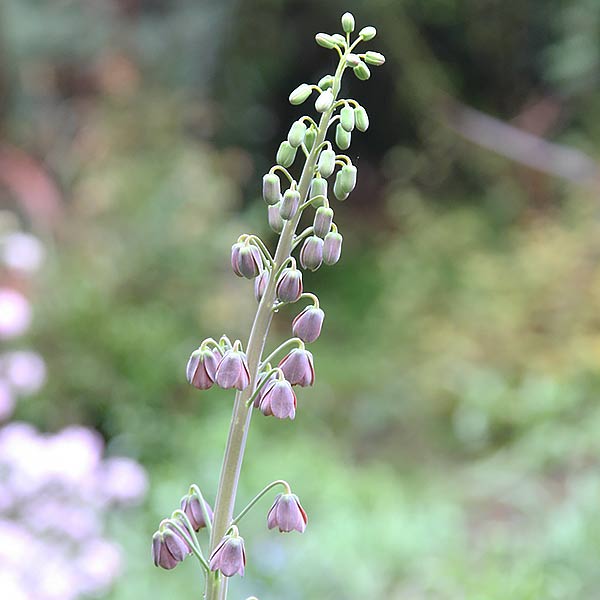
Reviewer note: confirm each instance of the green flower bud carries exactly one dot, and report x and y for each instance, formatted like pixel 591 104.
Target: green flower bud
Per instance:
pixel 362 71
pixel 324 101
pixel 340 40
pixel 348 22
pixel 296 135
pixel 326 163
pixel 271 188
pixel 286 154
pixel 347 118
pixel 367 33
pixel 362 118
pixel 332 248
pixel 289 205
pixel 348 176
pixel 374 58
pixel 353 60
pixel 345 181
pixel 309 138
pixel 326 82
pixel 318 187
pixel 325 40
pixel 300 94
pixel 323 220
pixel 338 190
pixel 343 138
pixel 275 221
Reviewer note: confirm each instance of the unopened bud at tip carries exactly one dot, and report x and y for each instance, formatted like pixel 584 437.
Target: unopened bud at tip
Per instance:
pixel 367 33
pixel 348 22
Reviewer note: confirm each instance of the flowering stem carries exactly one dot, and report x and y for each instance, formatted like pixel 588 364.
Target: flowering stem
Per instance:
pixel 258 496
pixel 216 587
pixel 291 342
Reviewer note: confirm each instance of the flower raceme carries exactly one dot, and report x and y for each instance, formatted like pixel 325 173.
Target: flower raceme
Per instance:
pixel 326 176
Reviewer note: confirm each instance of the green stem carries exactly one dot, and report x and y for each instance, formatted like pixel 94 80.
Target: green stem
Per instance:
pixel 284 346
pixel 258 496
pixel 216 587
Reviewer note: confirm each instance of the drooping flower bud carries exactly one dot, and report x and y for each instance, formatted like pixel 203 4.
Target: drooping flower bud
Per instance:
pixel 323 220
pixel 246 260
pixel 343 138
pixel 271 188
pixel 325 40
pixel 298 367
pixel 347 176
pixel 374 58
pixel 278 400
pixel 191 505
pixel 296 134
pixel 285 154
pixel 332 248
pixel 260 285
pixel 318 187
pixel 300 94
pixel 275 221
pixel 229 556
pixel 309 138
pixel 338 190
pixel 361 71
pixel 289 286
pixel 307 325
pixel 324 101
pixel 348 22
pixel 326 163
pixel 326 82
pixel 347 118
pixel 232 371
pixel 289 204
pixel 353 60
pixel 311 255
pixel 201 368
pixel 168 547
pixel 362 118
pixel 287 514
pixel 367 33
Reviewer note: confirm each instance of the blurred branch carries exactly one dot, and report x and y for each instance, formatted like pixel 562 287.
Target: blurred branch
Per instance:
pixel 521 146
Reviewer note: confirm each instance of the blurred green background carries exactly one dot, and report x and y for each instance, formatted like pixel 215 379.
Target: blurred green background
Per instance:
pixel 449 449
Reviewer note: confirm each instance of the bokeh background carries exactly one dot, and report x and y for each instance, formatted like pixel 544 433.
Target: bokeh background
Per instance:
pixel 449 449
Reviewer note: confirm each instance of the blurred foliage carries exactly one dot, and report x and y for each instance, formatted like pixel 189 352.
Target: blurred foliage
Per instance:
pixel 455 418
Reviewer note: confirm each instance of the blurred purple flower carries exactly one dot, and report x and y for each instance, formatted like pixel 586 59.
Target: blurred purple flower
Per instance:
pixel 25 370
pixel 122 480
pixel 55 579
pixel 98 566
pixel 15 313
pixel 74 453
pixel 22 252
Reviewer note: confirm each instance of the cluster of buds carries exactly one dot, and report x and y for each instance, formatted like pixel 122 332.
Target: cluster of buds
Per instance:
pixel 278 281
pixel 176 537
pixel 221 363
